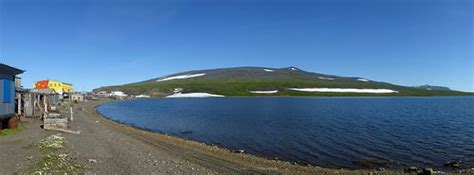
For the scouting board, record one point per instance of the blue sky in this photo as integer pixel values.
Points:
(105, 42)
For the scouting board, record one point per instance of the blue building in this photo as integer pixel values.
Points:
(7, 92)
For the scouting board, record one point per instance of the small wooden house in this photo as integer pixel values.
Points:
(7, 92)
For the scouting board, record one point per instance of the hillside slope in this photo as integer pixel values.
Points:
(260, 81)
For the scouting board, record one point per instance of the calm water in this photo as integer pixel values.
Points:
(328, 132)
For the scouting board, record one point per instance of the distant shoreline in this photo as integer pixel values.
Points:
(282, 96)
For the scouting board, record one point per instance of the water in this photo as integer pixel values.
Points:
(328, 132)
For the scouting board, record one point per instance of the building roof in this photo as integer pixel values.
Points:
(10, 70)
(42, 91)
(53, 81)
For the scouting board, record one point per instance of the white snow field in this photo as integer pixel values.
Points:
(142, 96)
(193, 95)
(364, 80)
(268, 70)
(179, 77)
(375, 91)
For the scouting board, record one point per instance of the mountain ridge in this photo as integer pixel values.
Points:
(288, 81)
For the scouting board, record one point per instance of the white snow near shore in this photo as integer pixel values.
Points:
(181, 77)
(193, 95)
(268, 70)
(264, 92)
(364, 80)
(118, 94)
(324, 78)
(142, 96)
(374, 91)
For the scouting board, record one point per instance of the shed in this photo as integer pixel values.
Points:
(77, 97)
(7, 90)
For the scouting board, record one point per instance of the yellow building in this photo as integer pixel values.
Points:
(56, 86)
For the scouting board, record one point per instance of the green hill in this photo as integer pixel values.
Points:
(242, 81)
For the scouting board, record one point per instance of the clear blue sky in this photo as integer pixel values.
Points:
(108, 42)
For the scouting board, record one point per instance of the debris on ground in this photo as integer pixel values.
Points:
(53, 142)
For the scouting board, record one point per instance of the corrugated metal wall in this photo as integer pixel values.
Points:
(7, 109)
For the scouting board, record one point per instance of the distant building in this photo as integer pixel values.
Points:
(57, 86)
(18, 82)
(77, 97)
(7, 90)
(102, 94)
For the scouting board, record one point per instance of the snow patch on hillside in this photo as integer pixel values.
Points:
(142, 96)
(293, 69)
(193, 95)
(352, 90)
(362, 79)
(324, 78)
(181, 77)
(268, 70)
(264, 92)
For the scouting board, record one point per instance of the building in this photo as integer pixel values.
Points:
(37, 101)
(18, 82)
(7, 92)
(77, 97)
(56, 86)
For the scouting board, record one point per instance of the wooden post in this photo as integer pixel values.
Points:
(72, 116)
(45, 104)
(19, 104)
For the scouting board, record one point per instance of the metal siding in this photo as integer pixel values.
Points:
(7, 91)
(1, 90)
(3, 106)
(7, 109)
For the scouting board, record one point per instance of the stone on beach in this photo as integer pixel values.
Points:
(453, 164)
(427, 171)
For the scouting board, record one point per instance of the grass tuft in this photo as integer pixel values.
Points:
(54, 164)
(50, 143)
(5, 132)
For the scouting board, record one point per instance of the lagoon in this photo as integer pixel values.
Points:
(333, 132)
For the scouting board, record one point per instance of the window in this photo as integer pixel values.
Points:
(7, 91)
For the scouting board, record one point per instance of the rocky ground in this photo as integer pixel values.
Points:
(106, 147)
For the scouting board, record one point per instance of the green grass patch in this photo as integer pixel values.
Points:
(56, 164)
(241, 87)
(50, 143)
(5, 132)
